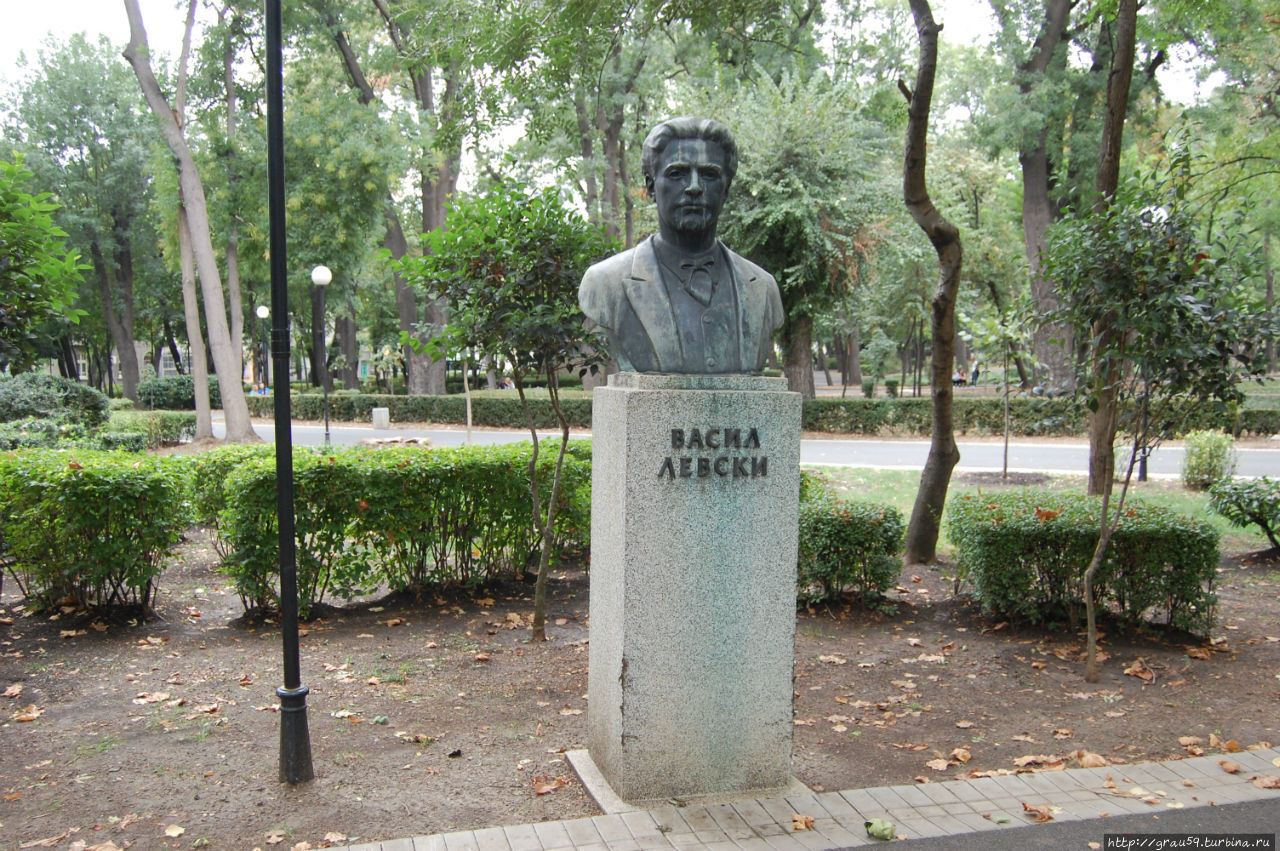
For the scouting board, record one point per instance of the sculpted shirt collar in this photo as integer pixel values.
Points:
(680, 264)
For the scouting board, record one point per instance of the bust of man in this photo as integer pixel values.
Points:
(681, 302)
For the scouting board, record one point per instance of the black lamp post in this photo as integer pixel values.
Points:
(321, 276)
(295, 739)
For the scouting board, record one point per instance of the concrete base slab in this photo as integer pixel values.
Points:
(607, 799)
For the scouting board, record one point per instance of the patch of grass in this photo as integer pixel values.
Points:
(101, 746)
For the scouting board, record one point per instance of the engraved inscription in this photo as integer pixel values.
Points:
(708, 466)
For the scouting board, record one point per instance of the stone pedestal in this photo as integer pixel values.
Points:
(695, 483)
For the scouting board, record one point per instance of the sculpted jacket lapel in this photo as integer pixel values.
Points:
(648, 297)
(751, 307)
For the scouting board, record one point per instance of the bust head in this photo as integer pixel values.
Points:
(688, 164)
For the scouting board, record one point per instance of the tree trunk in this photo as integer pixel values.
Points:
(1106, 369)
(191, 313)
(1039, 209)
(797, 366)
(234, 299)
(68, 367)
(226, 360)
(349, 345)
(586, 146)
(926, 515)
(319, 348)
(121, 336)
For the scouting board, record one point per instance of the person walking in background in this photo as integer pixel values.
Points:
(973, 379)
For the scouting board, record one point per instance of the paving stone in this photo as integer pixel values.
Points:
(959, 808)
(839, 808)
(700, 820)
(755, 843)
(784, 842)
(733, 825)
(778, 809)
(582, 831)
(939, 793)
(888, 798)
(975, 790)
(931, 810)
(612, 829)
(523, 838)
(427, 843)
(463, 840)
(913, 795)
(641, 824)
(861, 801)
(400, 845)
(758, 818)
(552, 834)
(492, 839)
(919, 828)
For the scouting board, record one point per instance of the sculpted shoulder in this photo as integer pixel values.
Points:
(602, 287)
(751, 270)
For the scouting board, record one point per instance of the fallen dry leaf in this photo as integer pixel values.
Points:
(28, 713)
(1188, 741)
(801, 822)
(544, 785)
(1267, 782)
(1229, 766)
(275, 837)
(333, 836)
(964, 725)
(569, 710)
(13, 690)
(1039, 813)
(961, 755)
(833, 660)
(173, 831)
(938, 764)
(1140, 670)
(1089, 759)
(47, 842)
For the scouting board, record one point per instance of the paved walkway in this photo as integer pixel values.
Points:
(956, 807)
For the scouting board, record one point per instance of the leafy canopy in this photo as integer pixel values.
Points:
(38, 274)
(509, 265)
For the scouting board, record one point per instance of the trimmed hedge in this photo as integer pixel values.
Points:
(51, 397)
(91, 526)
(406, 517)
(1030, 416)
(1026, 552)
(158, 428)
(175, 393)
(845, 547)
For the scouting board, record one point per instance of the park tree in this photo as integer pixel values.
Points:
(38, 272)
(1183, 330)
(227, 361)
(510, 264)
(926, 515)
(87, 136)
(807, 200)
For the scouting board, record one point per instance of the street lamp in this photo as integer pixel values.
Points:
(321, 276)
(265, 379)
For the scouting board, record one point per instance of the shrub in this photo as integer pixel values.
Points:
(175, 393)
(1249, 501)
(30, 433)
(160, 428)
(1209, 456)
(868, 387)
(327, 493)
(891, 387)
(124, 441)
(1026, 552)
(51, 397)
(845, 547)
(94, 527)
(406, 517)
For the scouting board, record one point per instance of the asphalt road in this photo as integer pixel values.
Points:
(1025, 455)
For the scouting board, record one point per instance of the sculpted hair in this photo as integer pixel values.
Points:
(688, 127)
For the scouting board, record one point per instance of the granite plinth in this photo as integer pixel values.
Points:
(695, 483)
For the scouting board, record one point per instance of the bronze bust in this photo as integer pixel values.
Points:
(681, 302)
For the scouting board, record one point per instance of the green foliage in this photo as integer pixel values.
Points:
(91, 526)
(31, 433)
(210, 471)
(1249, 501)
(51, 397)
(175, 392)
(1169, 324)
(869, 388)
(38, 273)
(1026, 552)
(891, 387)
(845, 547)
(123, 441)
(409, 518)
(1209, 456)
(159, 428)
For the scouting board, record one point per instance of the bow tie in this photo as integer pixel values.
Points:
(697, 278)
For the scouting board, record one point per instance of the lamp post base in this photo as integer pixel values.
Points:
(295, 738)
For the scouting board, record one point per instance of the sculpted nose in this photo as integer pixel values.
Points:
(695, 184)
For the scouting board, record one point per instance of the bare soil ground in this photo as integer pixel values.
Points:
(435, 715)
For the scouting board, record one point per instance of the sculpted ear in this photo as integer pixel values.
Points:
(648, 187)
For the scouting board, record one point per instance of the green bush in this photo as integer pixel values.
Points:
(1026, 551)
(1209, 456)
(90, 526)
(891, 387)
(175, 393)
(161, 428)
(405, 517)
(51, 397)
(868, 387)
(32, 433)
(1249, 501)
(120, 404)
(845, 547)
(124, 441)
(499, 408)
(327, 493)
